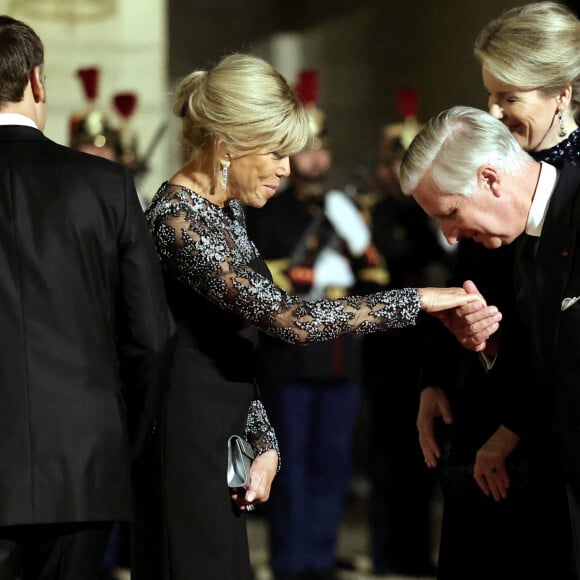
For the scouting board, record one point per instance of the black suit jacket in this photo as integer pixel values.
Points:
(552, 276)
(83, 321)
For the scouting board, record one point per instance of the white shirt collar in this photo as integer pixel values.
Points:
(544, 190)
(17, 119)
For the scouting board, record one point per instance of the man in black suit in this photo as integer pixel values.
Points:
(85, 334)
(465, 169)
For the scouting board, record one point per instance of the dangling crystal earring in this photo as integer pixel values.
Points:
(562, 132)
(224, 177)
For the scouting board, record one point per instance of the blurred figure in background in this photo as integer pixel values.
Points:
(313, 239)
(402, 489)
(91, 129)
(95, 130)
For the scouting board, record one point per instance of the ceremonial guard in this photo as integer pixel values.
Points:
(402, 489)
(100, 132)
(314, 240)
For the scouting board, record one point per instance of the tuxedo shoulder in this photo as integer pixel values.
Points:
(71, 170)
(87, 159)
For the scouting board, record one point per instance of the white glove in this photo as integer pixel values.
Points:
(347, 221)
(331, 268)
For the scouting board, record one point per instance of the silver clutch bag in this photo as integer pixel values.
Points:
(240, 457)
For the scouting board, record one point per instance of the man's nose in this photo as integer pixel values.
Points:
(450, 234)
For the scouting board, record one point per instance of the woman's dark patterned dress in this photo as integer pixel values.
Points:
(220, 292)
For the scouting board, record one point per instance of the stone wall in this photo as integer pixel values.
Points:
(129, 46)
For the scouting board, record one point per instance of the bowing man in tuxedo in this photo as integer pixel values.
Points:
(85, 333)
(465, 169)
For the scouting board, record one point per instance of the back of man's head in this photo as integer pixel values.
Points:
(21, 50)
(454, 144)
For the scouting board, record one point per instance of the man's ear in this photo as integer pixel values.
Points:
(37, 85)
(489, 177)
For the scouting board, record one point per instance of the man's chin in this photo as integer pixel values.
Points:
(491, 243)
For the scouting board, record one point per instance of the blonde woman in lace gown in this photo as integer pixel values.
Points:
(240, 123)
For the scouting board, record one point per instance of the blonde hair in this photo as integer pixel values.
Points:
(536, 46)
(244, 104)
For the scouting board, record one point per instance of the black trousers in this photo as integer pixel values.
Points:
(71, 551)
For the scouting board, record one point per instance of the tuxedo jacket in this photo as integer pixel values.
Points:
(84, 331)
(545, 280)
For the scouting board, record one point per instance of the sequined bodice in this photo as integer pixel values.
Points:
(567, 150)
(206, 248)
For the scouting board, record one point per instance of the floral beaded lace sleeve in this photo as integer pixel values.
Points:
(207, 248)
(259, 430)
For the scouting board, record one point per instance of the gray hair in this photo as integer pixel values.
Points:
(536, 46)
(453, 145)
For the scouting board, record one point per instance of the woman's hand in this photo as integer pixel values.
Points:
(433, 404)
(262, 473)
(490, 471)
(438, 299)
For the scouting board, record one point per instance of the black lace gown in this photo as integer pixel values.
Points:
(220, 293)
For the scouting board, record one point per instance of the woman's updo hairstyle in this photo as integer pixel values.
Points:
(245, 104)
(536, 46)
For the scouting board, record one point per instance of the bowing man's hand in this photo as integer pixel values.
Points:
(433, 403)
(490, 471)
(262, 473)
(474, 323)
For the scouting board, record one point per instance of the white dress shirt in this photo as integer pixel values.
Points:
(17, 119)
(544, 190)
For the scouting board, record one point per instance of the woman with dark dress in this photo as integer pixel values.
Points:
(530, 59)
(240, 122)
